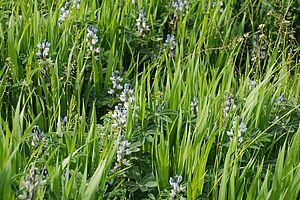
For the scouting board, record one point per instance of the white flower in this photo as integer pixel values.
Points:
(242, 128)
(194, 105)
(180, 7)
(43, 49)
(92, 39)
(116, 80)
(122, 151)
(119, 116)
(30, 184)
(43, 53)
(64, 12)
(127, 95)
(177, 188)
(171, 44)
(141, 23)
(229, 103)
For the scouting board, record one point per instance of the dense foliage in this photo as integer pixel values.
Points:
(149, 99)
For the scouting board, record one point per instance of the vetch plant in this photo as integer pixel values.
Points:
(43, 53)
(177, 188)
(181, 7)
(229, 104)
(141, 24)
(127, 95)
(122, 151)
(86, 152)
(38, 138)
(31, 184)
(64, 12)
(119, 117)
(116, 80)
(241, 129)
(66, 9)
(92, 39)
(170, 45)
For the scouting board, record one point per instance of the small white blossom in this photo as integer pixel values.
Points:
(170, 44)
(194, 105)
(229, 104)
(43, 53)
(141, 24)
(43, 49)
(38, 138)
(119, 116)
(122, 151)
(116, 80)
(77, 4)
(127, 95)
(181, 7)
(65, 10)
(31, 184)
(241, 129)
(92, 39)
(177, 187)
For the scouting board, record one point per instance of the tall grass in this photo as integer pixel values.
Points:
(217, 106)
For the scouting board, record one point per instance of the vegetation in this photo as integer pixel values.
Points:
(149, 99)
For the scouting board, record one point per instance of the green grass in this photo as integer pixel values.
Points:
(219, 48)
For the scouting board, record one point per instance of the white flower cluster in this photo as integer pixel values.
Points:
(170, 44)
(65, 10)
(38, 137)
(127, 98)
(229, 103)
(43, 53)
(116, 80)
(180, 6)
(141, 24)
(177, 188)
(119, 116)
(123, 150)
(30, 184)
(241, 129)
(194, 105)
(127, 95)
(92, 39)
